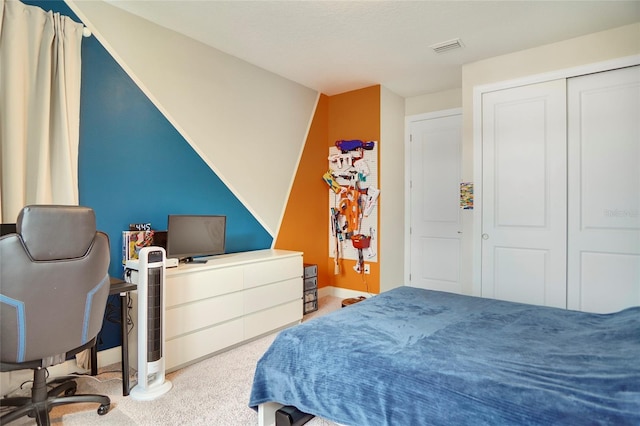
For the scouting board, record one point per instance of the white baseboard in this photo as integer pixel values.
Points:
(12, 380)
(109, 356)
(343, 293)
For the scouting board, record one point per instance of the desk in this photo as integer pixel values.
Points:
(122, 288)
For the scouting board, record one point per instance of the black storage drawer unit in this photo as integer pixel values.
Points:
(310, 300)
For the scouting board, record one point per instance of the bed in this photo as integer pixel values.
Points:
(418, 357)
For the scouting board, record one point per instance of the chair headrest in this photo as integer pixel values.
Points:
(53, 232)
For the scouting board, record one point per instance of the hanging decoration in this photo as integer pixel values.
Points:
(466, 195)
(352, 179)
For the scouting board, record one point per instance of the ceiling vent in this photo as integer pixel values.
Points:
(445, 46)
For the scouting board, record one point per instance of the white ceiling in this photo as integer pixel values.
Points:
(337, 46)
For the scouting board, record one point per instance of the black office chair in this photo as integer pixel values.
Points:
(54, 285)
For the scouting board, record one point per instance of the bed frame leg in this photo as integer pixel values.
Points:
(267, 413)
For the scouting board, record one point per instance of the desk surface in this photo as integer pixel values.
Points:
(119, 286)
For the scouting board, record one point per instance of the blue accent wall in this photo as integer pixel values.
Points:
(135, 167)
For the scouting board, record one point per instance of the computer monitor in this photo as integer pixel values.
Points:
(192, 236)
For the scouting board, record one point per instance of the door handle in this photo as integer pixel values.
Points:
(485, 236)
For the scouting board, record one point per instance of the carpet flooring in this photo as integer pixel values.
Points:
(212, 392)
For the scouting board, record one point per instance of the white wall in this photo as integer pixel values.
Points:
(392, 187)
(432, 102)
(248, 124)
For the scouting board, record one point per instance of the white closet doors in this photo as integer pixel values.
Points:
(524, 194)
(561, 192)
(604, 191)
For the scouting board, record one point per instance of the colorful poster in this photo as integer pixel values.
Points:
(466, 195)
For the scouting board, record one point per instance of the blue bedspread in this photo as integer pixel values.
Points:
(417, 357)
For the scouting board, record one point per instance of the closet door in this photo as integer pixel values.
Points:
(604, 191)
(524, 194)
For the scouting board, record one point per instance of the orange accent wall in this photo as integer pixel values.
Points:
(305, 225)
(356, 115)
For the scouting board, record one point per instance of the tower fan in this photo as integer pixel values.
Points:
(150, 267)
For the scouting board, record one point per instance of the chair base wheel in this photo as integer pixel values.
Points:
(103, 409)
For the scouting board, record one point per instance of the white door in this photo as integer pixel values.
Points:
(524, 194)
(604, 191)
(435, 214)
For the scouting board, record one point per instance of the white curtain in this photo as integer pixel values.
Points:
(39, 107)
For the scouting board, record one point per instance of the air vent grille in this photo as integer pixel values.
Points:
(446, 46)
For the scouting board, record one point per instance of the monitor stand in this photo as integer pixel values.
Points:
(195, 260)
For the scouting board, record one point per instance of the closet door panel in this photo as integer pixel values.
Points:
(528, 265)
(607, 280)
(524, 194)
(520, 164)
(604, 191)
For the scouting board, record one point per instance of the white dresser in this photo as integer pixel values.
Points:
(231, 299)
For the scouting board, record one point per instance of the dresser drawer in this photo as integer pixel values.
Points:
(263, 297)
(205, 313)
(273, 271)
(191, 347)
(191, 286)
(271, 319)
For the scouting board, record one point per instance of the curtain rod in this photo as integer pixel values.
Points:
(86, 32)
